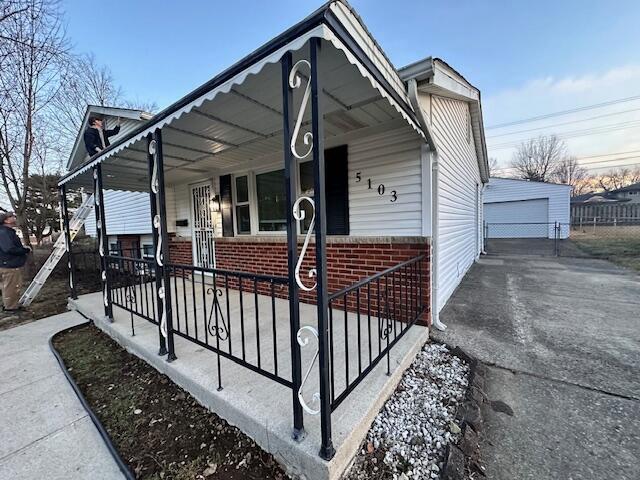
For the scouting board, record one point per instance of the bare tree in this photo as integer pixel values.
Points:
(569, 171)
(618, 178)
(83, 82)
(493, 166)
(537, 158)
(29, 80)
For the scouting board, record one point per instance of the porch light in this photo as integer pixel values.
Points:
(214, 203)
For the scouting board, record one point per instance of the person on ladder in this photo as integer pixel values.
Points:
(13, 256)
(96, 138)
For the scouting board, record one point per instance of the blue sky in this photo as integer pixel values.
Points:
(527, 58)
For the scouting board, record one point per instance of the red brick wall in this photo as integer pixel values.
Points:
(180, 250)
(348, 262)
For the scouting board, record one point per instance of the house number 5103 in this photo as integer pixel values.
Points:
(381, 187)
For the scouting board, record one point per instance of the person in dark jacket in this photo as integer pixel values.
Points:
(96, 138)
(13, 256)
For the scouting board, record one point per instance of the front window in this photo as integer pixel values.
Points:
(271, 200)
(243, 213)
(147, 251)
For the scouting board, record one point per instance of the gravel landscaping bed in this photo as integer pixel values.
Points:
(410, 435)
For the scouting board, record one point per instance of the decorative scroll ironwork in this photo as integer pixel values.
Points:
(299, 214)
(294, 82)
(387, 327)
(130, 295)
(163, 319)
(154, 174)
(157, 223)
(213, 323)
(303, 342)
(104, 288)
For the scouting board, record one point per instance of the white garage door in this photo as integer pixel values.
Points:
(518, 219)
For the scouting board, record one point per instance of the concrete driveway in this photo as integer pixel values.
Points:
(563, 338)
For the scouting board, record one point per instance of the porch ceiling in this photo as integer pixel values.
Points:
(236, 117)
(237, 128)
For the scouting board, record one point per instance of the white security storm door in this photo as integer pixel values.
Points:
(517, 219)
(202, 229)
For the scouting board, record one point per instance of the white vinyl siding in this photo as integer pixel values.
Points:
(127, 213)
(393, 160)
(459, 212)
(512, 190)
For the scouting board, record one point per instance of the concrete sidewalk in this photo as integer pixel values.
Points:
(45, 431)
(563, 340)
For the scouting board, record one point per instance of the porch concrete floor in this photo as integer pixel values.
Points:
(257, 405)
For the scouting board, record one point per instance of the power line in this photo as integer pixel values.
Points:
(564, 123)
(614, 166)
(585, 164)
(574, 134)
(563, 112)
(607, 154)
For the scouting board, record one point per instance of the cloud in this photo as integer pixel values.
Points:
(584, 134)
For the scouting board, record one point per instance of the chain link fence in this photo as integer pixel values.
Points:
(615, 239)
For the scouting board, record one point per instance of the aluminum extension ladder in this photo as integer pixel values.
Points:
(59, 249)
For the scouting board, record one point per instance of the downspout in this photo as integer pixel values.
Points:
(484, 185)
(412, 91)
(435, 312)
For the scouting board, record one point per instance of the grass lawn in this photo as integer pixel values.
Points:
(621, 249)
(160, 431)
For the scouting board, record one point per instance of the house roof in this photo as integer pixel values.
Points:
(336, 23)
(629, 188)
(436, 76)
(78, 153)
(529, 181)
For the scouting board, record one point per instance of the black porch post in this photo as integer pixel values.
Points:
(103, 240)
(317, 127)
(163, 276)
(292, 245)
(153, 203)
(64, 213)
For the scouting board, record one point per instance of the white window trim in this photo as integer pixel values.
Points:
(251, 202)
(253, 199)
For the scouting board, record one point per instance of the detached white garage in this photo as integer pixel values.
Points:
(524, 209)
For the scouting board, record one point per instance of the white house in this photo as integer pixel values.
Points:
(310, 188)
(516, 208)
(450, 214)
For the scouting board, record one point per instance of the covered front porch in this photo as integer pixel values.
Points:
(300, 342)
(244, 373)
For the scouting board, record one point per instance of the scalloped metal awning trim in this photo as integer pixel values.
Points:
(337, 24)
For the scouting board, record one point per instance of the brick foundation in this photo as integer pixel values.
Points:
(349, 259)
(180, 250)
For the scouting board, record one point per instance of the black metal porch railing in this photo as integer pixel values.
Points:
(238, 316)
(132, 286)
(234, 315)
(382, 308)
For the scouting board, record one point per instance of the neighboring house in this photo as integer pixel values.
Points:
(614, 207)
(516, 208)
(128, 218)
(591, 197)
(630, 193)
(404, 170)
